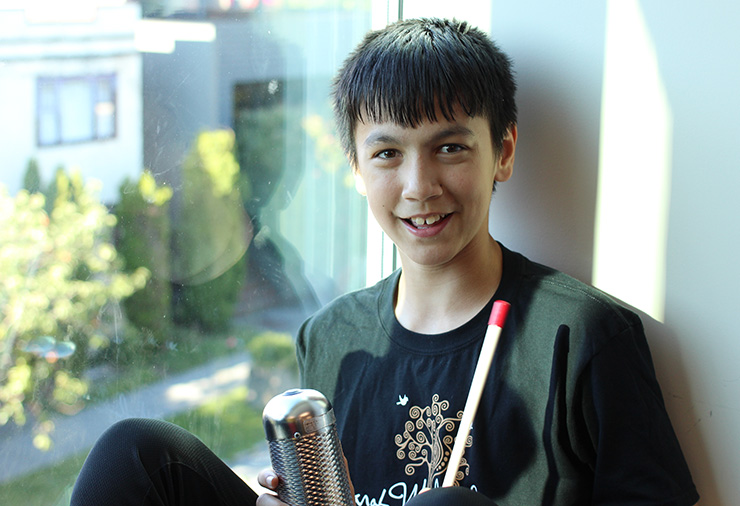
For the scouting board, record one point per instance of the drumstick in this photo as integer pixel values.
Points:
(493, 332)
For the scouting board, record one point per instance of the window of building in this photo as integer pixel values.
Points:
(177, 295)
(76, 109)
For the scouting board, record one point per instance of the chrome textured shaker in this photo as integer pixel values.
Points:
(305, 451)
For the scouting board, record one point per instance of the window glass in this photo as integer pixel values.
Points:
(164, 272)
(75, 103)
(105, 109)
(75, 109)
(47, 117)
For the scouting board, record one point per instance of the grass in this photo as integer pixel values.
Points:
(48, 487)
(227, 424)
(127, 369)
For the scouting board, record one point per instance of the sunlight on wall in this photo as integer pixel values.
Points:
(160, 36)
(634, 165)
(477, 13)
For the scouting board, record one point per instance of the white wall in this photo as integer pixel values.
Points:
(549, 209)
(626, 177)
(102, 44)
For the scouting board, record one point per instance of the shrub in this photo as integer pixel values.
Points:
(274, 367)
(211, 232)
(32, 177)
(210, 305)
(273, 350)
(143, 240)
(59, 277)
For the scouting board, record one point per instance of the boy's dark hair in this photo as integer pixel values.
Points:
(411, 69)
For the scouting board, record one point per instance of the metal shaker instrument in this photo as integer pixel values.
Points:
(305, 452)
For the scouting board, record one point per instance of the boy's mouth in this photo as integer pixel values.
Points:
(419, 222)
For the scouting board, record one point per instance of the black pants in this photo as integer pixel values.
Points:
(150, 462)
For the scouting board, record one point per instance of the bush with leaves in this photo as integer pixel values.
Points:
(59, 282)
(32, 177)
(211, 232)
(143, 240)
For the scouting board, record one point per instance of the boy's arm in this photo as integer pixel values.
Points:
(637, 455)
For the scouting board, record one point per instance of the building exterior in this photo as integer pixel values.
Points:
(70, 91)
(264, 73)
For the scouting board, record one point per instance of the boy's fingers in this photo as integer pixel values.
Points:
(268, 479)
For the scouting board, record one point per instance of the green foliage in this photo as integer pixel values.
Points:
(227, 424)
(273, 350)
(32, 177)
(143, 240)
(50, 486)
(58, 189)
(59, 277)
(329, 154)
(267, 175)
(210, 305)
(211, 232)
(261, 142)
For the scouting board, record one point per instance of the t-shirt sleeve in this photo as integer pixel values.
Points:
(637, 457)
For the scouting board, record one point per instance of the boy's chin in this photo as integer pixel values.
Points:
(427, 259)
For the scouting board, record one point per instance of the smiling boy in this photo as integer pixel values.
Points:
(571, 413)
(429, 188)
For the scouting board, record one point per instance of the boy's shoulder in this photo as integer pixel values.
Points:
(548, 292)
(355, 309)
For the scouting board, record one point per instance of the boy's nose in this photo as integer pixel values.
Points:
(421, 181)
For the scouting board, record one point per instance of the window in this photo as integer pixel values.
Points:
(76, 109)
(226, 215)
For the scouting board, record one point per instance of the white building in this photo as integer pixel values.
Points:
(70, 90)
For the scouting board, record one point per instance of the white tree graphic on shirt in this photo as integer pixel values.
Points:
(428, 438)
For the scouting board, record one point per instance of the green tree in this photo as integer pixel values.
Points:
(143, 240)
(59, 274)
(32, 177)
(211, 232)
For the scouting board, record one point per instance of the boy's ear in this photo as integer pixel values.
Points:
(505, 162)
(359, 182)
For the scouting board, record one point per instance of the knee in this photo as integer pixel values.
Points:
(131, 438)
(131, 431)
(120, 458)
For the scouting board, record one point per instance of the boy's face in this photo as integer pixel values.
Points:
(430, 187)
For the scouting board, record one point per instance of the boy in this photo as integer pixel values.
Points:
(571, 412)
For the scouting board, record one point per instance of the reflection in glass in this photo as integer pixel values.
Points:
(188, 206)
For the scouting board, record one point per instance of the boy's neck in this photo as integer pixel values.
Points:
(433, 301)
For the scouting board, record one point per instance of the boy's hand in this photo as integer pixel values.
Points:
(268, 479)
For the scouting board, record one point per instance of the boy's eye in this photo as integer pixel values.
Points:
(451, 148)
(386, 154)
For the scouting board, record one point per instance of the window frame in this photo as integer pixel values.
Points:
(55, 114)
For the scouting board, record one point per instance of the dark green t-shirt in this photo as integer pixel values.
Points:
(571, 414)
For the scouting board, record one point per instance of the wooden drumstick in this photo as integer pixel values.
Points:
(490, 341)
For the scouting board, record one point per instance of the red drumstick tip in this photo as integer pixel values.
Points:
(498, 313)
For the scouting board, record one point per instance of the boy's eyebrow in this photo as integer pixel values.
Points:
(453, 130)
(379, 138)
(384, 138)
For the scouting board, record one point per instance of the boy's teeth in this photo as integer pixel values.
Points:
(426, 221)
